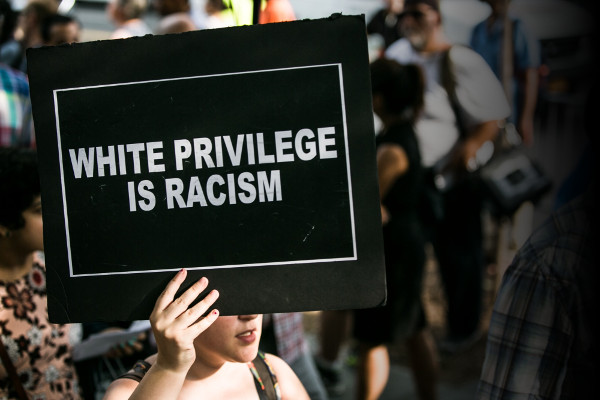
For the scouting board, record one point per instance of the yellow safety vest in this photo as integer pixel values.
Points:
(241, 10)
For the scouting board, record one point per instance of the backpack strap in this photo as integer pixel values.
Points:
(264, 378)
(138, 371)
(449, 84)
(12, 373)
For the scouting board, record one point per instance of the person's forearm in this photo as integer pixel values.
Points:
(483, 132)
(530, 93)
(467, 149)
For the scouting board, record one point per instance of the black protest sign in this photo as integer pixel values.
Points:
(245, 155)
(226, 168)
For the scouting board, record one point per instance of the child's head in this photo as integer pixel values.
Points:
(397, 89)
(230, 338)
(19, 185)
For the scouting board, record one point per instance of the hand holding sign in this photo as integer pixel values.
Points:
(176, 326)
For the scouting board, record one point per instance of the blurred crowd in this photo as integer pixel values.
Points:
(438, 106)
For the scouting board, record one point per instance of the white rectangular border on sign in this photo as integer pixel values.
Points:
(350, 193)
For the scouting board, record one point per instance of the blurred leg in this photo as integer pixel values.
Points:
(459, 250)
(373, 371)
(334, 331)
(305, 369)
(335, 326)
(424, 363)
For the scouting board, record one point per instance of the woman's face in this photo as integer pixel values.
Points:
(30, 237)
(230, 338)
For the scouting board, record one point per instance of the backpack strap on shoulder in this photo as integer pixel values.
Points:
(138, 371)
(448, 82)
(264, 378)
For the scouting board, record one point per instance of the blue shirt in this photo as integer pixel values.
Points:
(526, 51)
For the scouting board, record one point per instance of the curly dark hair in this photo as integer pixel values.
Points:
(8, 21)
(402, 87)
(19, 184)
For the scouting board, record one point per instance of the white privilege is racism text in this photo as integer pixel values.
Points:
(204, 152)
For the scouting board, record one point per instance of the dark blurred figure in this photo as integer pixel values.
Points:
(543, 335)
(386, 22)
(578, 180)
(283, 335)
(514, 56)
(28, 33)
(8, 21)
(397, 101)
(60, 29)
(464, 103)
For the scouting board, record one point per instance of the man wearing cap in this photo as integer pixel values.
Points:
(463, 103)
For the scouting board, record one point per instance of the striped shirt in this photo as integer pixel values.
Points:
(16, 122)
(289, 335)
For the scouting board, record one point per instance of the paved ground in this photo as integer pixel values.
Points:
(459, 374)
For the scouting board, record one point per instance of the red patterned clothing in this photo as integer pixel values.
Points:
(39, 350)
